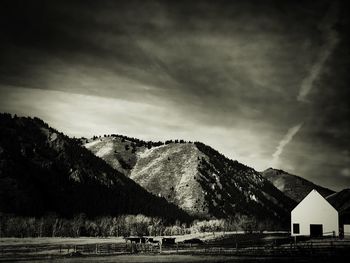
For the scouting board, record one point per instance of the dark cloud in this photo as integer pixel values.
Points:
(240, 67)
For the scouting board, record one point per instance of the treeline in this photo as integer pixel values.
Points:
(125, 225)
(220, 160)
(135, 142)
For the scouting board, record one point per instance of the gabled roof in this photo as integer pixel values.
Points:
(314, 192)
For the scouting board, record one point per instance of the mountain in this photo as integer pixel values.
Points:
(42, 170)
(293, 186)
(341, 201)
(195, 177)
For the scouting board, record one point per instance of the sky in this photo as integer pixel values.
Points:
(263, 82)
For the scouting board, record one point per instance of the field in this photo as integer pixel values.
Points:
(217, 247)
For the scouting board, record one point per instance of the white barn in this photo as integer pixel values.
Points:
(314, 216)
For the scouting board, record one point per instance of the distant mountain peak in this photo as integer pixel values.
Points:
(275, 171)
(341, 200)
(293, 186)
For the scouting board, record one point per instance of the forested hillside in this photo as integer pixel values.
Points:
(42, 170)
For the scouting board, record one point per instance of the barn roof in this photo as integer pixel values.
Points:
(317, 194)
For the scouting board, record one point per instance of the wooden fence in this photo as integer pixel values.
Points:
(314, 247)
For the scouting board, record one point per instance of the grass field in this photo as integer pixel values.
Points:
(59, 240)
(98, 240)
(218, 247)
(218, 237)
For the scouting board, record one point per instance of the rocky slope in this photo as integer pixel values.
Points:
(42, 170)
(195, 177)
(293, 186)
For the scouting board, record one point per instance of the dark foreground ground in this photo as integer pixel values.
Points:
(191, 258)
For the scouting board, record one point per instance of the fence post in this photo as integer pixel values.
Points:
(160, 247)
(177, 247)
(312, 251)
(96, 249)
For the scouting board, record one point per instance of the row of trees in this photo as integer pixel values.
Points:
(125, 225)
(137, 142)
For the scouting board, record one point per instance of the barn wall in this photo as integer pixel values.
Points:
(346, 230)
(314, 209)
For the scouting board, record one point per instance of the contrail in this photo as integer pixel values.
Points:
(331, 41)
(286, 139)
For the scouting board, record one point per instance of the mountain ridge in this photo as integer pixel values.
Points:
(295, 187)
(340, 200)
(212, 184)
(191, 176)
(43, 170)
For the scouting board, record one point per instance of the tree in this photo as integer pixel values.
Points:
(78, 224)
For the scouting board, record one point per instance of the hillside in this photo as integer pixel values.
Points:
(293, 186)
(340, 200)
(42, 170)
(195, 177)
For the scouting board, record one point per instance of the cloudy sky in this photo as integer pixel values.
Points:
(263, 82)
